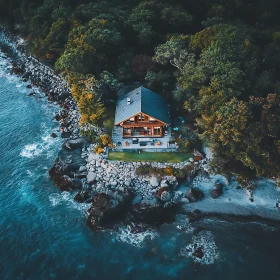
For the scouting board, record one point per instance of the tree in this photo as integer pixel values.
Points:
(85, 92)
(90, 46)
(174, 51)
(232, 120)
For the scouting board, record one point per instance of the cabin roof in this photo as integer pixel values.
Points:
(142, 100)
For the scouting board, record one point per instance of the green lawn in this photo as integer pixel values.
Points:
(153, 156)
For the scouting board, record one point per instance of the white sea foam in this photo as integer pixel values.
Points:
(36, 149)
(205, 241)
(67, 199)
(31, 150)
(183, 224)
(135, 239)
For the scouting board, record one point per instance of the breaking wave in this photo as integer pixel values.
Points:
(204, 240)
(135, 239)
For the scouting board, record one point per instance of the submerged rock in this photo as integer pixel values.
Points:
(82, 196)
(138, 227)
(198, 253)
(195, 194)
(137, 199)
(218, 191)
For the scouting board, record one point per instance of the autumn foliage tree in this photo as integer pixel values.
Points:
(85, 92)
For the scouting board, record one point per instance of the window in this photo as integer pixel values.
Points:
(156, 130)
(141, 117)
(126, 131)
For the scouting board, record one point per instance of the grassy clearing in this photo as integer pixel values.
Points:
(146, 156)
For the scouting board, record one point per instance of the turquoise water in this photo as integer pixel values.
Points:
(43, 233)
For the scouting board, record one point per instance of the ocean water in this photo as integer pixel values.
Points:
(43, 233)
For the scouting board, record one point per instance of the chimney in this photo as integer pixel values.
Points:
(128, 101)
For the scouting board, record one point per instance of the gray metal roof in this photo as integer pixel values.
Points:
(142, 101)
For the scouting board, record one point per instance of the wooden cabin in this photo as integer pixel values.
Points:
(142, 113)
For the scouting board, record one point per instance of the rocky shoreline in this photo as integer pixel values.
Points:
(113, 188)
(114, 191)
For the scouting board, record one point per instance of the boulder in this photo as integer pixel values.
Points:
(114, 183)
(198, 253)
(178, 194)
(27, 75)
(218, 191)
(65, 134)
(137, 199)
(64, 182)
(154, 181)
(82, 168)
(75, 143)
(67, 163)
(137, 227)
(195, 194)
(91, 176)
(77, 184)
(165, 196)
(57, 117)
(53, 135)
(183, 200)
(164, 183)
(82, 196)
(127, 183)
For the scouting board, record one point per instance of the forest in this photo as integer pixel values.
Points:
(217, 62)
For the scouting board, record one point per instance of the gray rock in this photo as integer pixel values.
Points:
(164, 183)
(195, 194)
(218, 191)
(91, 176)
(92, 156)
(114, 183)
(127, 182)
(183, 200)
(165, 196)
(154, 181)
(82, 168)
(75, 143)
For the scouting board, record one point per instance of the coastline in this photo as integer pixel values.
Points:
(71, 176)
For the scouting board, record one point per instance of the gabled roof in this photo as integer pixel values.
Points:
(142, 101)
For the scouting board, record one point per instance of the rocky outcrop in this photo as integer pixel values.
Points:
(105, 211)
(153, 213)
(67, 165)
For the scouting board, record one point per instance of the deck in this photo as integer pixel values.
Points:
(151, 143)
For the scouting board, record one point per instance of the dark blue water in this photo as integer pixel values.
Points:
(43, 233)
